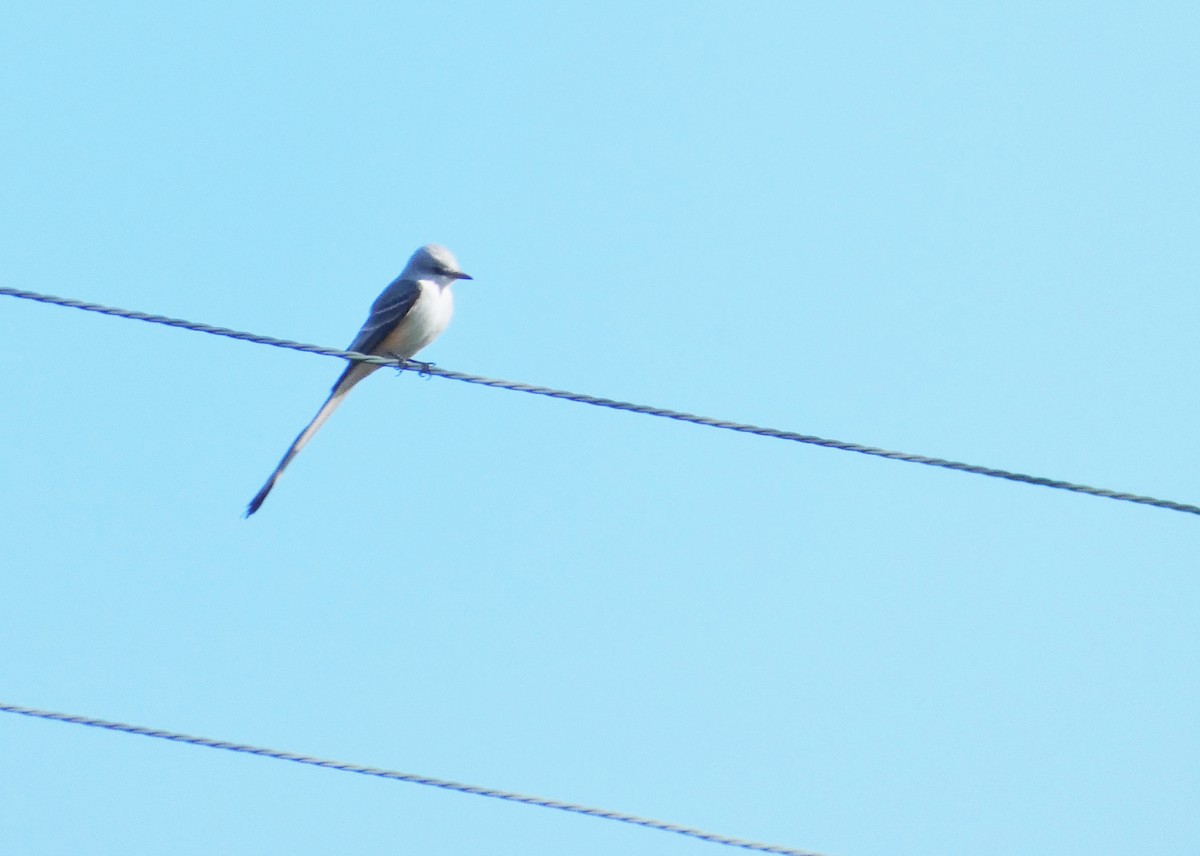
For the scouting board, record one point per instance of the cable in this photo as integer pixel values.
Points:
(405, 777)
(428, 369)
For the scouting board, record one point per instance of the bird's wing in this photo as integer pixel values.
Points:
(387, 311)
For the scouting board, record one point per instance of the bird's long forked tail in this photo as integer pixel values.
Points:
(345, 383)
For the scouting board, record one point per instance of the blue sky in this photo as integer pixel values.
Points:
(964, 230)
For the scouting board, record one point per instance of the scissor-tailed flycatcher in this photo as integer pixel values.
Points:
(410, 314)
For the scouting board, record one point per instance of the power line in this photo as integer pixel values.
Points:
(581, 398)
(405, 777)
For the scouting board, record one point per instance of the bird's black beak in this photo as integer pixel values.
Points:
(461, 275)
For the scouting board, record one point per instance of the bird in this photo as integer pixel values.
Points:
(410, 313)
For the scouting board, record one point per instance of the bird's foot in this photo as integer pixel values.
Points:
(407, 364)
(423, 369)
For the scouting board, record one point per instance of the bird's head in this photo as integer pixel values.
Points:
(435, 262)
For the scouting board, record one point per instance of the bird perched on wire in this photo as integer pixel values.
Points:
(407, 316)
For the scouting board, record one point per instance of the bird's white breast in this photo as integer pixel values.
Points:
(424, 322)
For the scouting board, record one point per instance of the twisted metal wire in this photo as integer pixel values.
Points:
(279, 755)
(745, 428)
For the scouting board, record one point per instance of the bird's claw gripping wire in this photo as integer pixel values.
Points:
(424, 370)
(407, 364)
